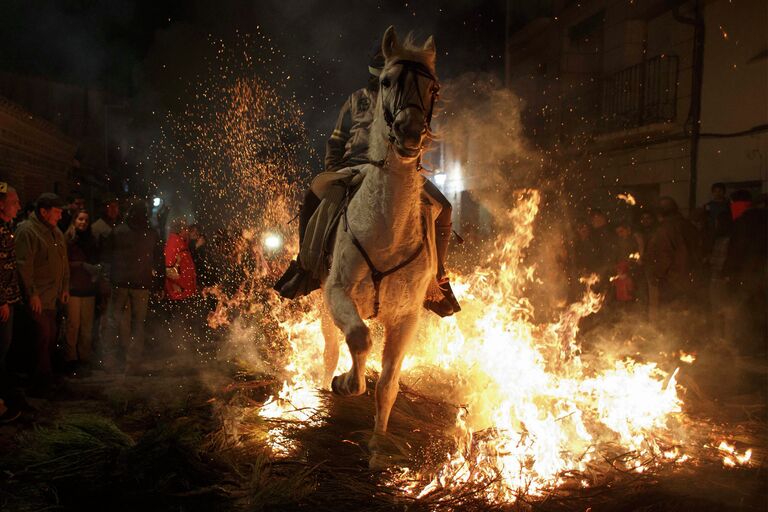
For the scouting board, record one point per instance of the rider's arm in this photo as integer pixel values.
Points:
(336, 145)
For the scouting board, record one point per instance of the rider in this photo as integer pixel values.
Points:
(348, 147)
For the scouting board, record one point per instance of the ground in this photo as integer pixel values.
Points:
(186, 435)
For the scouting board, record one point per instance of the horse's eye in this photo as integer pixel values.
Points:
(385, 82)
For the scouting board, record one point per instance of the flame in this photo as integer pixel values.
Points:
(731, 456)
(627, 198)
(687, 358)
(533, 410)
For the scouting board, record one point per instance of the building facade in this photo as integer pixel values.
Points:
(95, 121)
(35, 156)
(649, 97)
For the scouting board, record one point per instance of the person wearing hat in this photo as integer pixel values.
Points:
(348, 147)
(41, 257)
(101, 230)
(348, 144)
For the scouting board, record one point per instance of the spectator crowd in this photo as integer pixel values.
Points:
(76, 289)
(76, 293)
(667, 268)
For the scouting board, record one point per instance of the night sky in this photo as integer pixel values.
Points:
(150, 52)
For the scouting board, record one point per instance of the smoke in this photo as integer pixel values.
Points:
(480, 122)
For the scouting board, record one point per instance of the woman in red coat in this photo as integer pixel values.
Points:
(180, 289)
(180, 276)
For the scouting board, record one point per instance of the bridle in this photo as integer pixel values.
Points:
(406, 82)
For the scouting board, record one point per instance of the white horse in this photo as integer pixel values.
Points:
(383, 256)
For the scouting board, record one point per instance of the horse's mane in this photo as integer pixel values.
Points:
(409, 49)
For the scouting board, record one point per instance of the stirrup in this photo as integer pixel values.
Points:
(446, 306)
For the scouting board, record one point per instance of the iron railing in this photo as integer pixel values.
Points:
(641, 94)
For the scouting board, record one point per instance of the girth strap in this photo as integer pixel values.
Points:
(377, 275)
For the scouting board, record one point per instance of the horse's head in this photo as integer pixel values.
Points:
(408, 90)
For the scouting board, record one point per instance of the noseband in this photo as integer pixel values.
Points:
(406, 82)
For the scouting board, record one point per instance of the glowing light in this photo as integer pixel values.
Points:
(440, 179)
(627, 198)
(156, 202)
(456, 179)
(687, 358)
(273, 241)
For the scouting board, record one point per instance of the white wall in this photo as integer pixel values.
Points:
(735, 93)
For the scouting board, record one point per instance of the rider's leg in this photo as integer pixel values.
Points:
(294, 282)
(443, 227)
(308, 207)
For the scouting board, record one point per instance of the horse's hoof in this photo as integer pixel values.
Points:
(376, 443)
(342, 385)
(336, 385)
(379, 462)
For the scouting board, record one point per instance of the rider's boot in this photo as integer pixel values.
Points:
(296, 281)
(447, 305)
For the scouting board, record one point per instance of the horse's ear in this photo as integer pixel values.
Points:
(389, 44)
(429, 45)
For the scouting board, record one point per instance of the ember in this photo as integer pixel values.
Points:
(535, 410)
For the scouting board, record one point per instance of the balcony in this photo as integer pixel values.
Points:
(640, 95)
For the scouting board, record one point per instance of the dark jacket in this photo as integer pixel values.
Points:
(136, 254)
(83, 251)
(673, 257)
(10, 292)
(747, 261)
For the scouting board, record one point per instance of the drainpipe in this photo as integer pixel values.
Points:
(693, 123)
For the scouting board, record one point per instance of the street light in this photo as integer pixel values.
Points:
(272, 241)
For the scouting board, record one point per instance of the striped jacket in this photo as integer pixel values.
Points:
(348, 144)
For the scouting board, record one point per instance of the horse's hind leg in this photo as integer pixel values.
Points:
(397, 339)
(358, 338)
(331, 350)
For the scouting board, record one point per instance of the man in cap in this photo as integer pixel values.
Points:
(348, 144)
(41, 257)
(348, 147)
(101, 231)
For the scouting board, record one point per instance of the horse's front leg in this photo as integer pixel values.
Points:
(358, 337)
(398, 337)
(331, 350)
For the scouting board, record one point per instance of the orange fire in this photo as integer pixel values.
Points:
(534, 407)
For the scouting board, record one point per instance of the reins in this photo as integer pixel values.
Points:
(414, 70)
(378, 275)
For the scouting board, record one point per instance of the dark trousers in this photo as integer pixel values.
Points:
(6, 334)
(46, 330)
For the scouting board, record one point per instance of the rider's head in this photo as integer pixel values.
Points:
(375, 65)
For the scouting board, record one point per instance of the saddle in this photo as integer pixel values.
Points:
(335, 190)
